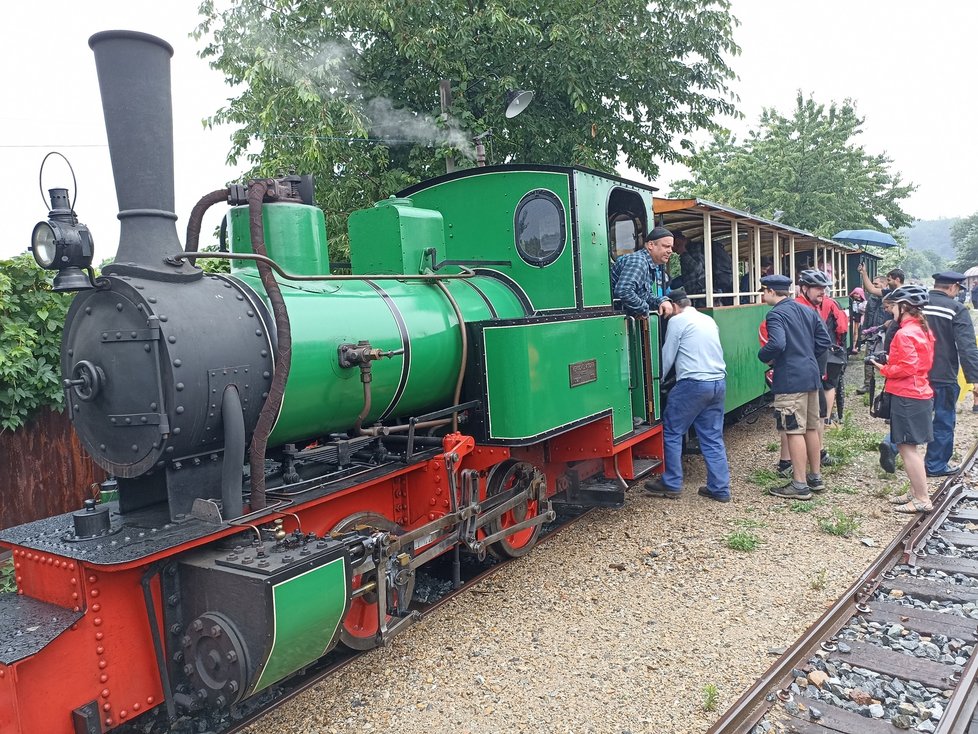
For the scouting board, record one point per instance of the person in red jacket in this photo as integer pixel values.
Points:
(910, 359)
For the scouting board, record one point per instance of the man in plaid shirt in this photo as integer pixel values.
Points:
(640, 281)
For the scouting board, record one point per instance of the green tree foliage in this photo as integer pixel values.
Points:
(964, 234)
(807, 166)
(31, 321)
(348, 89)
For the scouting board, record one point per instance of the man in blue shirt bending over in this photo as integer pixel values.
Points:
(639, 279)
(693, 346)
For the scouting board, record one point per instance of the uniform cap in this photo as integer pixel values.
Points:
(949, 276)
(776, 282)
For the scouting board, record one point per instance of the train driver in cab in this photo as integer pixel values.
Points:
(640, 279)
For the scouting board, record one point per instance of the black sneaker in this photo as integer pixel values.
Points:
(704, 492)
(784, 469)
(887, 457)
(862, 390)
(791, 492)
(826, 459)
(655, 488)
(815, 483)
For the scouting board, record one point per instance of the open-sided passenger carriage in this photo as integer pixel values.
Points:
(750, 242)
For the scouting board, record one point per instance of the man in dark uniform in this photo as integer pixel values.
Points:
(797, 345)
(639, 279)
(954, 343)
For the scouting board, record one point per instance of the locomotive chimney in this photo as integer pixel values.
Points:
(134, 80)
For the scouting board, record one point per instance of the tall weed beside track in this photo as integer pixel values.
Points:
(7, 582)
(846, 441)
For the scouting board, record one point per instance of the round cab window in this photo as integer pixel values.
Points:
(539, 227)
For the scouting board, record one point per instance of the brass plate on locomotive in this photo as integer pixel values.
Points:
(584, 372)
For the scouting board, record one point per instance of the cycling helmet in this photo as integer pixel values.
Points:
(814, 277)
(912, 295)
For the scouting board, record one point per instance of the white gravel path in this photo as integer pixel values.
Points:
(563, 641)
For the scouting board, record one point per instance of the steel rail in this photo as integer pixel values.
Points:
(754, 703)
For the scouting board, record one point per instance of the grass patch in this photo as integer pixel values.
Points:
(845, 441)
(746, 523)
(843, 489)
(840, 524)
(804, 505)
(710, 697)
(743, 540)
(765, 478)
(773, 446)
(821, 580)
(888, 490)
(7, 581)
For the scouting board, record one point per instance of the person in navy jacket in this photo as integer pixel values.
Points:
(796, 348)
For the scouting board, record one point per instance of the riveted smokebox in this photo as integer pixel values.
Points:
(134, 81)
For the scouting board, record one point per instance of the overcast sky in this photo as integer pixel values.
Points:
(909, 66)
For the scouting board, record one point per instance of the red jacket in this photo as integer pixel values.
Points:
(910, 359)
(828, 308)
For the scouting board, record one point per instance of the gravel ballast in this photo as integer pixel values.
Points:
(619, 623)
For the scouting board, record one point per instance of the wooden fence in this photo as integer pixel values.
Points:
(43, 470)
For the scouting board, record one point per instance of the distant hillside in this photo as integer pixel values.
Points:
(931, 234)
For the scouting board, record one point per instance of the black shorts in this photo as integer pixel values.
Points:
(912, 420)
(823, 407)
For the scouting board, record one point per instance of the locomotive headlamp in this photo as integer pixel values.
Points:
(63, 244)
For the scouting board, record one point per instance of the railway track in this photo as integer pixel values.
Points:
(439, 592)
(896, 651)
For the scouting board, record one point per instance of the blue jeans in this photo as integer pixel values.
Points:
(699, 404)
(940, 449)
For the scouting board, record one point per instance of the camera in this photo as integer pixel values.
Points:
(879, 358)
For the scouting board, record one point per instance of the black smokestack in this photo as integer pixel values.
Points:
(134, 80)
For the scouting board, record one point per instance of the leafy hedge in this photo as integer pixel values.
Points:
(31, 321)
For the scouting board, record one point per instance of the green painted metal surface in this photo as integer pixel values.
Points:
(391, 237)
(295, 236)
(325, 315)
(479, 216)
(592, 193)
(308, 610)
(655, 341)
(531, 370)
(739, 337)
(636, 370)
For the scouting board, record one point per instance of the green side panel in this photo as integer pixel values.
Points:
(529, 368)
(308, 610)
(656, 343)
(479, 213)
(739, 338)
(636, 371)
(391, 238)
(295, 238)
(323, 315)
